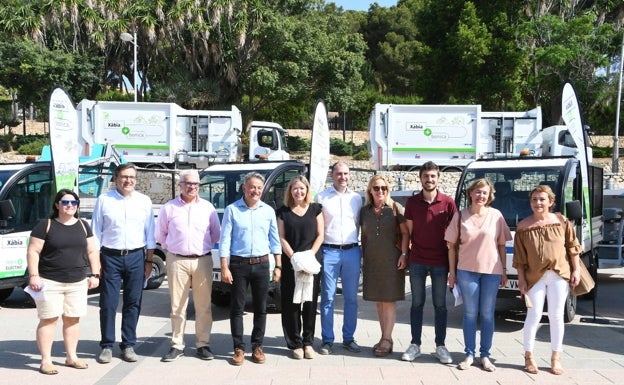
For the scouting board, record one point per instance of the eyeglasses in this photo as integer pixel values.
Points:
(382, 188)
(191, 184)
(67, 203)
(127, 177)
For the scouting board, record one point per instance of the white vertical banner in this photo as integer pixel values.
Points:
(319, 151)
(64, 140)
(571, 113)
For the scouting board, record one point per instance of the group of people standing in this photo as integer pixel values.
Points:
(315, 245)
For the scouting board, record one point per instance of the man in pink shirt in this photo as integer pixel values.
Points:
(188, 227)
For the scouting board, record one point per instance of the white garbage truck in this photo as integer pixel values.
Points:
(403, 137)
(577, 184)
(165, 135)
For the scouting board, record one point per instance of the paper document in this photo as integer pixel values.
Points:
(527, 301)
(36, 295)
(457, 295)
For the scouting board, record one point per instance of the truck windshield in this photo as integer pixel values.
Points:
(5, 175)
(222, 188)
(512, 187)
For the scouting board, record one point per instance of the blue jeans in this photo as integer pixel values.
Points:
(127, 273)
(346, 265)
(478, 292)
(257, 276)
(418, 276)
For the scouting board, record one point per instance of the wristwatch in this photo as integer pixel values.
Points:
(94, 276)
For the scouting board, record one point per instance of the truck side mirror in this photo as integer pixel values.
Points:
(574, 211)
(268, 138)
(6, 209)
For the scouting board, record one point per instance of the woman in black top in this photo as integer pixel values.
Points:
(60, 252)
(301, 228)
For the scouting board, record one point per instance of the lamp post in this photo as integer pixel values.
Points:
(615, 167)
(133, 39)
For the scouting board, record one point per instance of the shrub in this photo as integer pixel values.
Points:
(602, 152)
(340, 147)
(33, 147)
(362, 152)
(297, 144)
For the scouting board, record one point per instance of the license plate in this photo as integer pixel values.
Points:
(512, 284)
(216, 276)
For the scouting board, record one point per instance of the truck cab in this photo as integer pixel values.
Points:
(26, 195)
(513, 179)
(222, 185)
(267, 141)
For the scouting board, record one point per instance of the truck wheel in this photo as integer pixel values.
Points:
(220, 298)
(275, 292)
(452, 169)
(594, 273)
(158, 273)
(157, 166)
(569, 312)
(5, 293)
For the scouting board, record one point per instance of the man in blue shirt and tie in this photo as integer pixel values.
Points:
(248, 235)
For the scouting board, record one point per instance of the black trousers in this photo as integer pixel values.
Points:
(256, 276)
(298, 320)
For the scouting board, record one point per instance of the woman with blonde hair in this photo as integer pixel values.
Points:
(381, 220)
(546, 255)
(301, 230)
(479, 268)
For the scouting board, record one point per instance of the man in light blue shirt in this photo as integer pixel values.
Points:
(123, 223)
(248, 235)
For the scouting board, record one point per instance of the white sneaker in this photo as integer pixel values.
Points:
(411, 353)
(443, 355)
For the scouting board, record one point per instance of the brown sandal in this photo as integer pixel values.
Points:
(555, 364)
(383, 348)
(529, 363)
(77, 364)
(48, 369)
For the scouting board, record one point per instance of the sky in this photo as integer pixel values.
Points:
(361, 5)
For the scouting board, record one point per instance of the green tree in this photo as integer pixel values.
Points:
(395, 47)
(304, 57)
(571, 47)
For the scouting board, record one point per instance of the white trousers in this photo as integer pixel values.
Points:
(554, 288)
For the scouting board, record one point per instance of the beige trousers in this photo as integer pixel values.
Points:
(184, 274)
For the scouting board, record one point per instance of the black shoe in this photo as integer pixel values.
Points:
(205, 353)
(172, 355)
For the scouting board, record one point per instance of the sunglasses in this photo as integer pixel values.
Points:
(67, 203)
(382, 188)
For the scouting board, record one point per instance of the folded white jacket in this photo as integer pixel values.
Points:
(305, 265)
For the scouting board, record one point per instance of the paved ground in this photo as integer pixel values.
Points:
(594, 353)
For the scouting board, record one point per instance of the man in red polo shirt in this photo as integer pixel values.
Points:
(428, 213)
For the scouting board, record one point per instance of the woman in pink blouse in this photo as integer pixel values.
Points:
(546, 255)
(479, 269)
